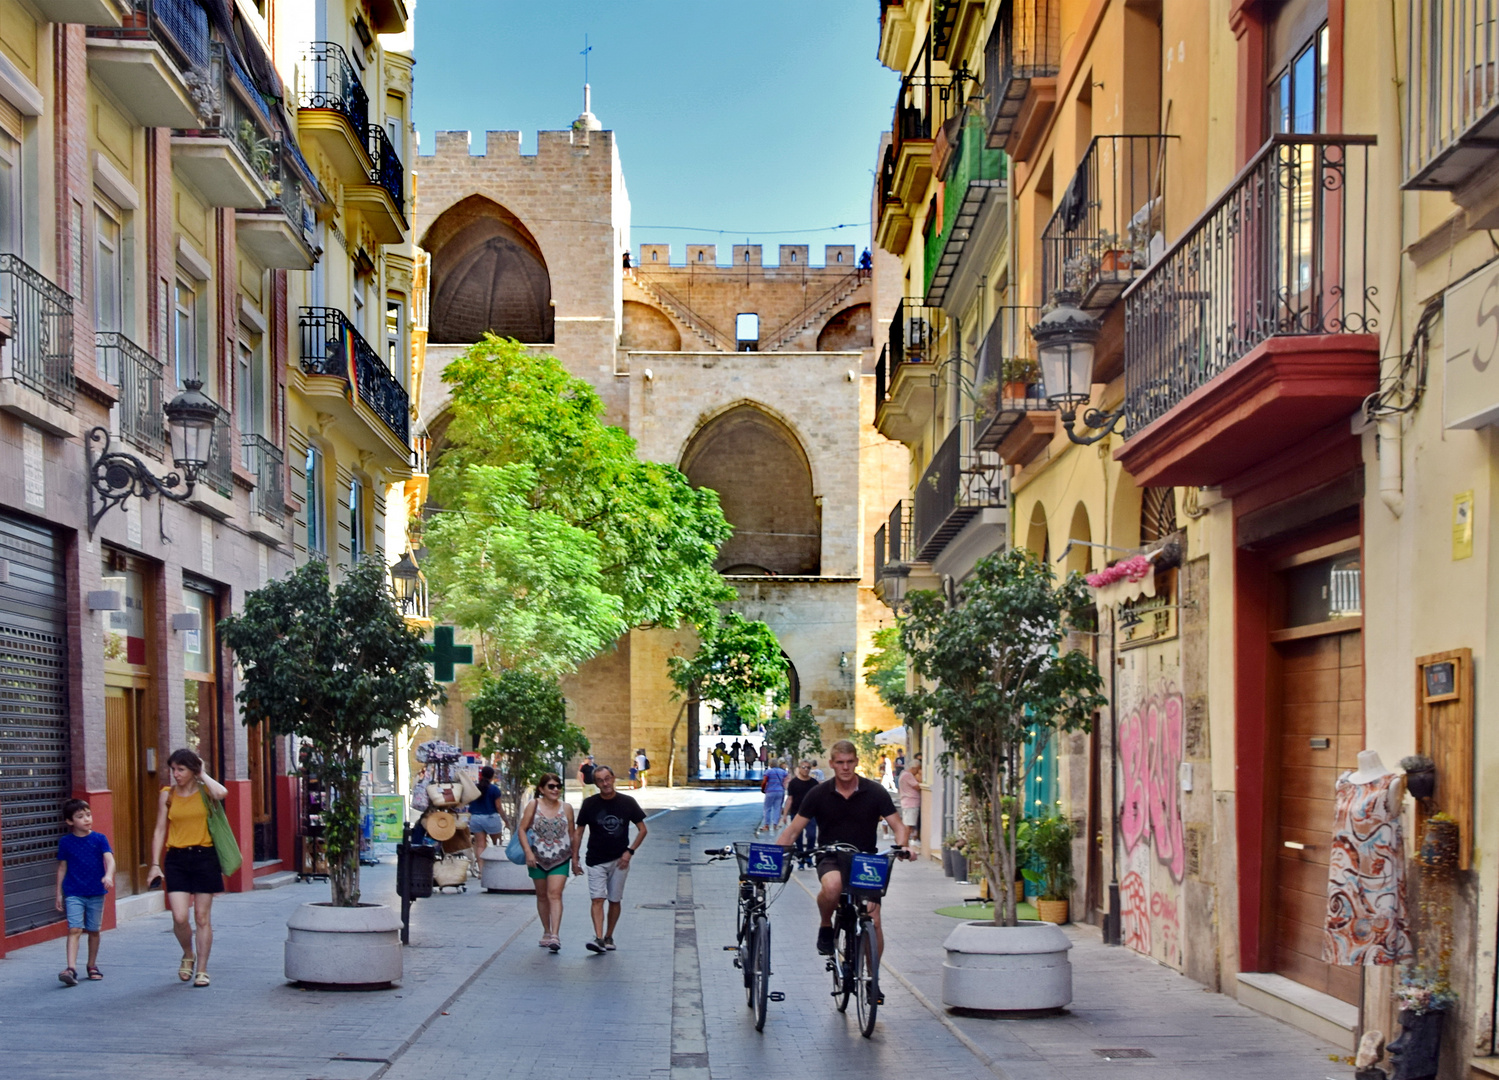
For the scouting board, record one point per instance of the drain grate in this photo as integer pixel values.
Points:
(1121, 1053)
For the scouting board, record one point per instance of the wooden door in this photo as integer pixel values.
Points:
(1321, 733)
(123, 768)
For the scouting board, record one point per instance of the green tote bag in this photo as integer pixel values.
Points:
(225, 846)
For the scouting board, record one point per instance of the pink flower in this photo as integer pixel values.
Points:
(1133, 568)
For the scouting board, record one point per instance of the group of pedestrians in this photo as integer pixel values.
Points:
(727, 757)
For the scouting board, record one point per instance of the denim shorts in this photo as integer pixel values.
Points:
(85, 912)
(492, 824)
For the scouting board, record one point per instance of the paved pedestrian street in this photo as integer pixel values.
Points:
(479, 999)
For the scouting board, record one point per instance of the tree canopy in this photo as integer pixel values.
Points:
(738, 662)
(994, 676)
(338, 668)
(885, 666)
(796, 734)
(522, 717)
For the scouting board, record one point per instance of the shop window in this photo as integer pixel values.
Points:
(315, 508)
(200, 675)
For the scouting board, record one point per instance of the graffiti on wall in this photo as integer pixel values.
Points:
(1134, 911)
(1150, 755)
(1163, 913)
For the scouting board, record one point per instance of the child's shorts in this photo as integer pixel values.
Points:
(85, 912)
(634, 774)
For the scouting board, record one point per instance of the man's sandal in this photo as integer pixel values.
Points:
(94, 974)
(201, 979)
(68, 977)
(185, 969)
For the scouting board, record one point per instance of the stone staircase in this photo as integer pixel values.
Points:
(814, 312)
(702, 328)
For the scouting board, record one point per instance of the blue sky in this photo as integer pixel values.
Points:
(761, 119)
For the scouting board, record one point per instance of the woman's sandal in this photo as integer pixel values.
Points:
(68, 977)
(201, 979)
(94, 974)
(185, 969)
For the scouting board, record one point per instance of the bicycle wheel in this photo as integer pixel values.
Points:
(746, 952)
(844, 938)
(760, 991)
(867, 980)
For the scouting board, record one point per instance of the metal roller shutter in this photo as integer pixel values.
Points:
(34, 774)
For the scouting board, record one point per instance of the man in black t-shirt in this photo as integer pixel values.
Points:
(796, 791)
(607, 817)
(848, 810)
(585, 775)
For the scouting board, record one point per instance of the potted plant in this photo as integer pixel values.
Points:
(997, 682)
(1051, 843)
(1420, 776)
(1019, 373)
(949, 849)
(340, 670)
(520, 719)
(1422, 1003)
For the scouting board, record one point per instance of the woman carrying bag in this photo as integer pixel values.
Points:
(545, 831)
(189, 814)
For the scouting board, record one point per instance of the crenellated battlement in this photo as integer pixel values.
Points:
(455, 147)
(839, 258)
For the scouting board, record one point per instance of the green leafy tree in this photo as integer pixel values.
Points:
(738, 664)
(869, 750)
(657, 536)
(522, 717)
(796, 734)
(885, 666)
(999, 687)
(339, 669)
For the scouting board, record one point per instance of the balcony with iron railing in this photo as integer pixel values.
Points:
(1452, 103)
(218, 476)
(382, 196)
(138, 376)
(1258, 327)
(916, 120)
(155, 62)
(264, 461)
(892, 540)
(957, 486)
(1110, 222)
(279, 235)
(36, 358)
(332, 347)
(906, 371)
(334, 109)
(892, 231)
(230, 157)
(1021, 60)
(1011, 415)
(972, 211)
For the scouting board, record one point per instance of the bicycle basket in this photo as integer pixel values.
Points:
(763, 862)
(865, 874)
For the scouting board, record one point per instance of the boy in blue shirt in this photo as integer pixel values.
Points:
(85, 872)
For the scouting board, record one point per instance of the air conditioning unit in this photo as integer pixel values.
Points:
(918, 336)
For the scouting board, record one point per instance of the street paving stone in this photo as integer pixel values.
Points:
(480, 999)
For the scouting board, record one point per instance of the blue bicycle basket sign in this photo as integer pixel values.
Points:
(869, 872)
(766, 861)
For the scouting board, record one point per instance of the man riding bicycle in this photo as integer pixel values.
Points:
(848, 809)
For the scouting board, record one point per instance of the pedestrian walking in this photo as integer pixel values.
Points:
(642, 766)
(796, 790)
(190, 864)
(720, 758)
(546, 836)
(85, 873)
(773, 787)
(734, 756)
(607, 816)
(910, 798)
(585, 776)
(485, 822)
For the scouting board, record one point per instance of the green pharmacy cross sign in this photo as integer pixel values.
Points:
(442, 654)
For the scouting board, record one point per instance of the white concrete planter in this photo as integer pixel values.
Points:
(1021, 968)
(499, 874)
(348, 947)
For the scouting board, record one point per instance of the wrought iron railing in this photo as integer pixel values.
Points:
(1452, 91)
(974, 172)
(915, 106)
(331, 346)
(388, 172)
(233, 110)
(1110, 222)
(892, 540)
(137, 373)
(956, 485)
(1283, 251)
(39, 353)
(329, 81)
(264, 461)
(1006, 380)
(219, 474)
(914, 333)
(1025, 44)
(180, 25)
(289, 194)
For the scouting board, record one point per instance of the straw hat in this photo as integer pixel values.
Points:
(440, 824)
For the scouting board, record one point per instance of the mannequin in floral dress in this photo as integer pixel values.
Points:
(1366, 913)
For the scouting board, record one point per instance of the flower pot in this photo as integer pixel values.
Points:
(1021, 968)
(960, 866)
(947, 866)
(1052, 911)
(1115, 260)
(347, 947)
(499, 874)
(1015, 391)
(1415, 1051)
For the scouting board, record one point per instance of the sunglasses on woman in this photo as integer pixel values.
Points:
(550, 787)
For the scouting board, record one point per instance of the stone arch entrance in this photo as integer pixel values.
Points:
(648, 329)
(488, 274)
(764, 484)
(850, 329)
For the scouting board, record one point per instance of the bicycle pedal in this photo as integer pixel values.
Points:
(731, 948)
(776, 995)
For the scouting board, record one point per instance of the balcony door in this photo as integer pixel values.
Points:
(134, 764)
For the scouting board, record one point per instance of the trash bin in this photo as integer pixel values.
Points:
(414, 870)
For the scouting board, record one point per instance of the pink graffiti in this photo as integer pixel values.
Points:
(1134, 912)
(1150, 751)
(1163, 914)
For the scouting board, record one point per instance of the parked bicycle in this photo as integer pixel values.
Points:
(760, 865)
(855, 962)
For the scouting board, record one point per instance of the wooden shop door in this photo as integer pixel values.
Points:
(130, 784)
(1321, 732)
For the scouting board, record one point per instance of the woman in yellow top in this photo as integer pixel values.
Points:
(191, 864)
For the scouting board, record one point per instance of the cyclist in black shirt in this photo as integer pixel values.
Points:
(847, 809)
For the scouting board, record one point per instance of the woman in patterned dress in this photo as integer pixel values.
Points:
(546, 828)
